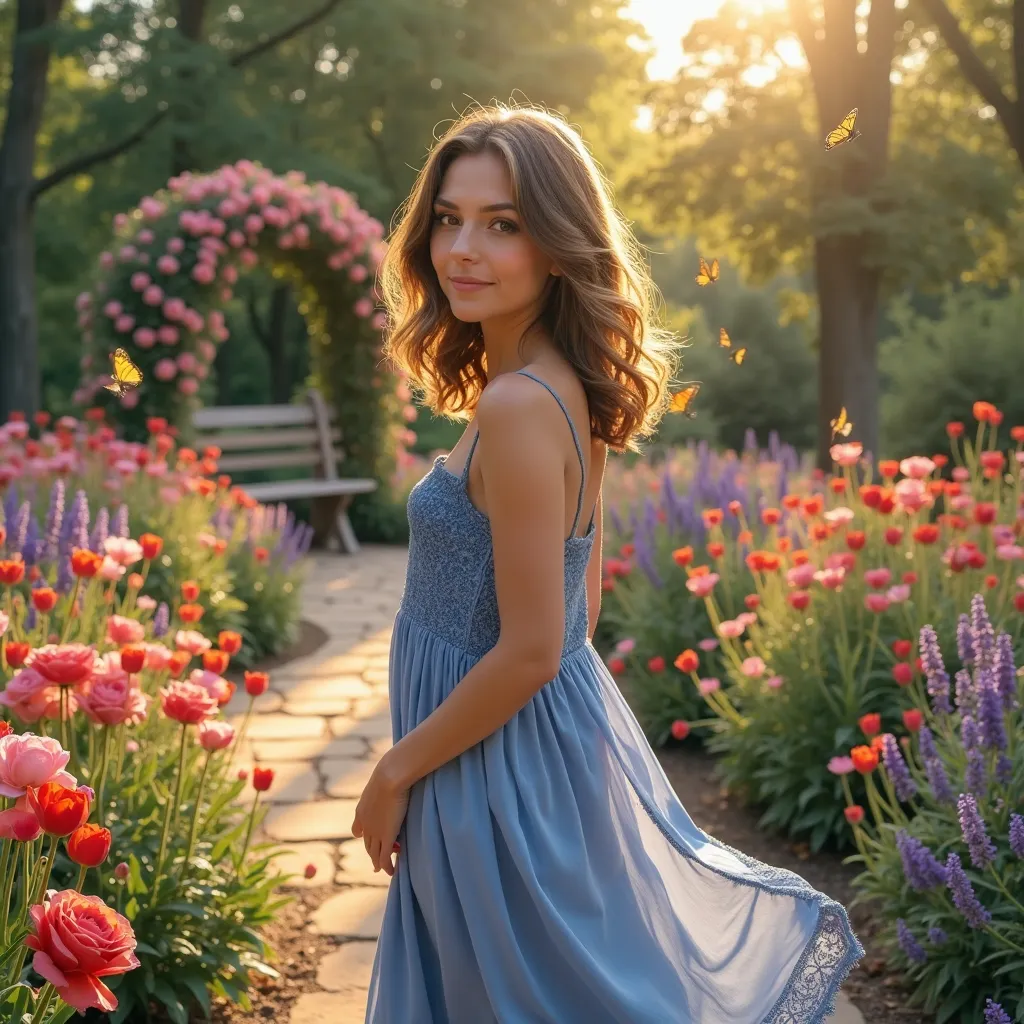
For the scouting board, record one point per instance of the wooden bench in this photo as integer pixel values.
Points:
(253, 437)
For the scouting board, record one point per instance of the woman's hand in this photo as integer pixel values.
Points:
(379, 816)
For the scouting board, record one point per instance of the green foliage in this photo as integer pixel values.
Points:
(935, 369)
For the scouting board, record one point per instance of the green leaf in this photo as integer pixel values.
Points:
(175, 1010)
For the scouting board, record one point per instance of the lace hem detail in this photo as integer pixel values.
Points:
(830, 954)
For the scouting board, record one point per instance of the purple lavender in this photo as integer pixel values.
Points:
(934, 769)
(1017, 835)
(120, 527)
(982, 633)
(78, 522)
(964, 898)
(935, 670)
(991, 728)
(162, 619)
(965, 695)
(1004, 769)
(981, 848)
(65, 576)
(54, 522)
(976, 773)
(897, 768)
(100, 531)
(921, 868)
(995, 1014)
(31, 618)
(33, 549)
(936, 936)
(964, 640)
(910, 946)
(1005, 671)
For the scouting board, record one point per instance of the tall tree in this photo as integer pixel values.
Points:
(743, 166)
(40, 27)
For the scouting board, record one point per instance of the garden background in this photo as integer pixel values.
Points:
(882, 277)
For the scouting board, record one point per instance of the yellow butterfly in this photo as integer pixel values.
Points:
(126, 374)
(724, 341)
(707, 274)
(841, 425)
(844, 133)
(738, 355)
(682, 400)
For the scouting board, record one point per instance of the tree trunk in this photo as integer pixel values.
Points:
(191, 15)
(19, 358)
(277, 345)
(848, 300)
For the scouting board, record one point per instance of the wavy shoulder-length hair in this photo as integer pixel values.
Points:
(600, 311)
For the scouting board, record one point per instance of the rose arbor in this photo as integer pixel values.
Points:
(174, 263)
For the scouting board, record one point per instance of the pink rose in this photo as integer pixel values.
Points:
(153, 295)
(216, 735)
(215, 685)
(731, 629)
(800, 576)
(145, 337)
(174, 309)
(847, 454)
(192, 641)
(139, 281)
(30, 697)
(79, 940)
(899, 593)
(167, 264)
(187, 703)
(878, 579)
(107, 668)
(918, 467)
(363, 308)
(111, 570)
(701, 586)
(167, 334)
(203, 273)
(707, 686)
(753, 668)
(29, 761)
(158, 657)
(912, 494)
(165, 370)
(19, 825)
(113, 701)
(832, 579)
(63, 664)
(175, 245)
(124, 323)
(876, 603)
(188, 385)
(123, 550)
(187, 362)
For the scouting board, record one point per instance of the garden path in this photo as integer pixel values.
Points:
(322, 726)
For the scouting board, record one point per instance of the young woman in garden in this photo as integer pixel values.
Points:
(547, 870)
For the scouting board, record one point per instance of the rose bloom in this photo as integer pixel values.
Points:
(28, 761)
(26, 695)
(217, 686)
(110, 570)
(709, 685)
(123, 550)
(830, 578)
(702, 586)
(898, 594)
(191, 641)
(77, 941)
(847, 454)
(187, 703)
(731, 628)
(113, 701)
(839, 516)
(917, 466)
(215, 735)
(21, 826)
(800, 576)
(63, 664)
(158, 657)
(121, 630)
(912, 495)
(753, 668)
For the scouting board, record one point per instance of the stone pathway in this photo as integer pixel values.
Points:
(322, 726)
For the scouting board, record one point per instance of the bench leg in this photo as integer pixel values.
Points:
(343, 527)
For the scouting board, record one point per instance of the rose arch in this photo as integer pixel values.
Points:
(174, 262)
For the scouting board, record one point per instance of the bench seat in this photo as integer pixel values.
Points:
(288, 490)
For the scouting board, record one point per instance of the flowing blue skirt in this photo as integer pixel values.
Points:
(552, 874)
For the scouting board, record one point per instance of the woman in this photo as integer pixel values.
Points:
(547, 870)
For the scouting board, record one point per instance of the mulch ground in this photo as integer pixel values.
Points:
(877, 991)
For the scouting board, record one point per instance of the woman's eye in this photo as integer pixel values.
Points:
(510, 225)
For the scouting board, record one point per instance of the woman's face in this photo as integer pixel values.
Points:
(478, 235)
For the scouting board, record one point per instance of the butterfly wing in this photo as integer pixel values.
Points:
(126, 373)
(844, 132)
(738, 356)
(115, 388)
(724, 341)
(682, 400)
(714, 270)
(703, 277)
(841, 425)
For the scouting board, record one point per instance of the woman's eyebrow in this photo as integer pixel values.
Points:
(483, 209)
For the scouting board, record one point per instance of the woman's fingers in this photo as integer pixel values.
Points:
(376, 853)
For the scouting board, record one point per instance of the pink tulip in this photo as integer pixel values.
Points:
(800, 576)
(30, 761)
(912, 494)
(702, 586)
(847, 454)
(876, 603)
(216, 735)
(918, 467)
(121, 630)
(731, 629)
(20, 825)
(753, 668)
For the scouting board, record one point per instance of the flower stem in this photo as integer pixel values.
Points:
(248, 837)
(43, 1003)
(101, 781)
(167, 818)
(7, 874)
(195, 820)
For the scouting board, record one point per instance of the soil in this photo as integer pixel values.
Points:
(879, 992)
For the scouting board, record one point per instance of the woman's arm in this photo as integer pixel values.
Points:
(524, 482)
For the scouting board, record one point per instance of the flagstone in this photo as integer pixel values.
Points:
(372, 728)
(265, 704)
(310, 749)
(347, 968)
(371, 707)
(356, 868)
(353, 913)
(347, 1007)
(346, 776)
(283, 727)
(297, 856)
(294, 782)
(344, 685)
(316, 819)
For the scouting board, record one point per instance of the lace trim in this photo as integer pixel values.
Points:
(831, 953)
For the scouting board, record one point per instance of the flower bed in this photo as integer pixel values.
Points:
(942, 838)
(814, 604)
(113, 650)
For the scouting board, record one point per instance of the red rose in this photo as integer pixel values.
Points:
(903, 673)
(615, 665)
(78, 940)
(187, 703)
(64, 664)
(262, 779)
(60, 811)
(89, 845)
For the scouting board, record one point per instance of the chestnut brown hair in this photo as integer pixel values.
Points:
(599, 312)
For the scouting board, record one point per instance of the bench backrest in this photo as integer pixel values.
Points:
(273, 436)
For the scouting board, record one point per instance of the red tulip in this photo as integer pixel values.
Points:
(262, 779)
(60, 811)
(89, 845)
